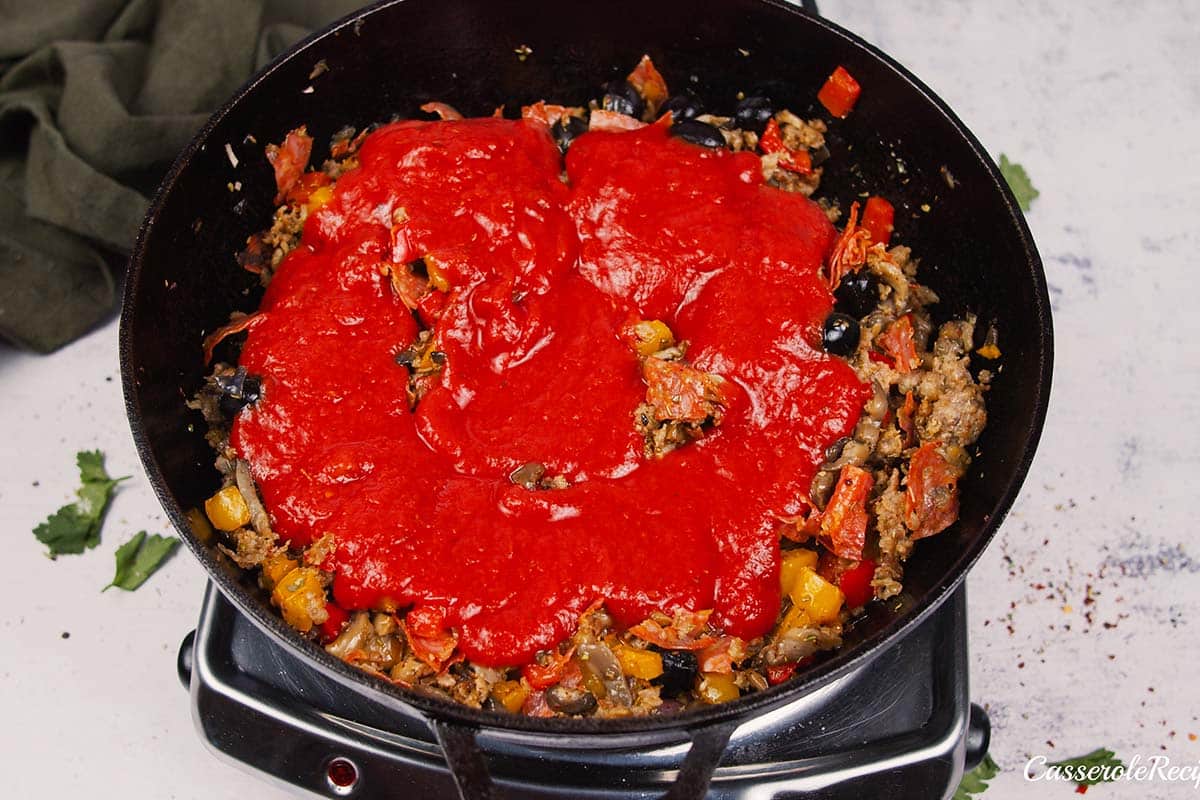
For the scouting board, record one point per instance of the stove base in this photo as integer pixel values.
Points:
(901, 726)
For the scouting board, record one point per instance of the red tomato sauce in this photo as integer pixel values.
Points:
(544, 272)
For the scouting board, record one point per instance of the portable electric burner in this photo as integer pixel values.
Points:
(902, 726)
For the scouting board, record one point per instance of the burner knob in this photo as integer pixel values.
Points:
(183, 663)
(979, 736)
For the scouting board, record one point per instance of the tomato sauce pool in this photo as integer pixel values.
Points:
(542, 270)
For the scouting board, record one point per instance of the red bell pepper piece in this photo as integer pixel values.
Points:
(722, 655)
(337, 618)
(829, 566)
(878, 218)
(289, 160)
(543, 113)
(427, 621)
(685, 632)
(572, 674)
(781, 672)
(771, 140)
(897, 342)
(428, 637)
(855, 584)
(444, 112)
(804, 526)
(305, 185)
(931, 492)
(840, 93)
(904, 418)
(681, 392)
(845, 517)
(229, 329)
(543, 676)
(345, 146)
(797, 161)
(777, 674)
(849, 252)
(601, 119)
(649, 84)
(536, 706)
(880, 358)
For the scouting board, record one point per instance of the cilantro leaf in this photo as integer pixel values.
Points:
(1098, 758)
(91, 466)
(66, 531)
(1018, 180)
(975, 781)
(92, 503)
(138, 558)
(76, 527)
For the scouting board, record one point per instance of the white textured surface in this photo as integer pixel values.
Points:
(1101, 103)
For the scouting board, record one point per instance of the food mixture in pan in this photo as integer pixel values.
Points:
(594, 411)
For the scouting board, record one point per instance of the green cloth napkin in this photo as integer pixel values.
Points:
(96, 99)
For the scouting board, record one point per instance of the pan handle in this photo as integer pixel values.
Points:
(696, 771)
(474, 781)
(466, 760)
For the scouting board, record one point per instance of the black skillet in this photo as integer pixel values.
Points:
(901, 141)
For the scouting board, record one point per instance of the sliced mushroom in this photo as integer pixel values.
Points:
(599, 660)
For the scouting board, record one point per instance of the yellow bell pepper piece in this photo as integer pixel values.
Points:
(592, 682)
(227, 509)
(276, 567)
(817, 597)
(511, 695)
(437, 274)
(789, 567)
(637, 663)
(652, 336)
(796, 617)
(318, 197)
(301, 599)
(200, 525)
(717, 688)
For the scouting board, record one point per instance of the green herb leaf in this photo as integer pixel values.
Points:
(1018, 180)
(76, 527)
(66, 531)
(138, 558)
(975, 781)
(1100, 757)
(91, 466)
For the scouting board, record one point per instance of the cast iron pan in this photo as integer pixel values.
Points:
(901, 141)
